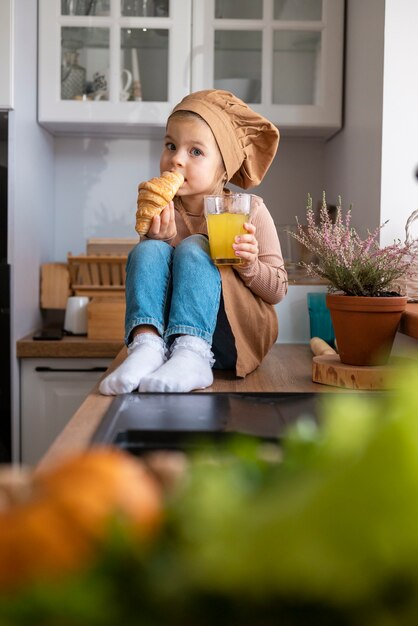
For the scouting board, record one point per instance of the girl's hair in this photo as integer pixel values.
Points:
(184, 114)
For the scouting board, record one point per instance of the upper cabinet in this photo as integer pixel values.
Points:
(284, 57)
(121, 65)
(112, 65)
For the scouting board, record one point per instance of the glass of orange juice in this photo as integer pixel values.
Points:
(225, 217)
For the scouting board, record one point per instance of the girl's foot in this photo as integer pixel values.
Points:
(189, 367)
(146, 354)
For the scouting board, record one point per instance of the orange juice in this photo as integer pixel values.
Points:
(222, 230)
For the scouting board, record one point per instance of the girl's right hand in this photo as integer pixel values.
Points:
(163, 226)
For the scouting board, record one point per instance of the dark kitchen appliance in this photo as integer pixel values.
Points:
(5, 378)
(142, 423)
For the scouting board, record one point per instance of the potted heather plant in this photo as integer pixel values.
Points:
(364, 296)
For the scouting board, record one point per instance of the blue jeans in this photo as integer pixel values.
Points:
(178, 291)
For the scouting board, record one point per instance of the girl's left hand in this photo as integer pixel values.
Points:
(246, 246)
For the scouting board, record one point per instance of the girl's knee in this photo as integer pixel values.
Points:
(150, 245)
(195, 244)
(150, 249)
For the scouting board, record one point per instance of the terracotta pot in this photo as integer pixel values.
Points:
(365, 327)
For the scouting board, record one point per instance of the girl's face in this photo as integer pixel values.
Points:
(190, 148)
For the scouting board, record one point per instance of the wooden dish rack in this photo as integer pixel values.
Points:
(97, 275)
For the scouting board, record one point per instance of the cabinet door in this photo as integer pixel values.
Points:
(283, 57)
(112, 65)
(52, 391)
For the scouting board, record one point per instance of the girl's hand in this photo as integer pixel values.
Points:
(163, 226)
(246, 246)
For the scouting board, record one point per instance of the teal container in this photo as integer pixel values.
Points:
(320, 318)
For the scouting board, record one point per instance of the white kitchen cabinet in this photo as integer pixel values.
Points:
(6, 53)
(123, 67)
(52, 391)
(120, 68)
(284, 57)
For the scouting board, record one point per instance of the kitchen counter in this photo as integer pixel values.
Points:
(287, 367)
(82, 347)
(68, 346)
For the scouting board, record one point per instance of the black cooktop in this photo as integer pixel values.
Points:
(182, 421)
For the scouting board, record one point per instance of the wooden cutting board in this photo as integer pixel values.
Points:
(54, 285)
(327, 369)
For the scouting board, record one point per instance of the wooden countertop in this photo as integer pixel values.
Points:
(287, 367)
(81, 347)
(67, 347)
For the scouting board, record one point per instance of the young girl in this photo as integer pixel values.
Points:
(184, 315)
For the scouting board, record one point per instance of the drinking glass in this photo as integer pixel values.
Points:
(225, 217)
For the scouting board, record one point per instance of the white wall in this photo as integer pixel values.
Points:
(298, 168)
(96, 185)
(353, 156)
(372, 161)
(31, 192)
(293, 314)
(399, 187)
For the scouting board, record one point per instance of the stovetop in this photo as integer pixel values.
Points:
(175, 421)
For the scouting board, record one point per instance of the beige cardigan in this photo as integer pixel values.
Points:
(249, 292)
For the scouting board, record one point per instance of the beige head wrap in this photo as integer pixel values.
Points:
(246, 140)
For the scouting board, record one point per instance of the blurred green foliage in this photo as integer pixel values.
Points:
(329, 535)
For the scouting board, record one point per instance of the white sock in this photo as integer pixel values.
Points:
(146, 353)
(189, 367)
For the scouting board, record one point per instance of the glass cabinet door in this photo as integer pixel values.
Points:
(285, 33)
(85, 7)
(112, 61)
(238, 48)
(145, 8)
(282, 56)
(296, 67)
(145, 53)
(237, 63)
(297, 36)
(298, 10)
(232, 54)
(86, 55)
(144, 64)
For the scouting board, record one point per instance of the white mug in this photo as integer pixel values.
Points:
(75, 321)
(125, 84)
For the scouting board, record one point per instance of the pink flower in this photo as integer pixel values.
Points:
(350, 264)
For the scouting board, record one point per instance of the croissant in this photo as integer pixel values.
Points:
(153, 196)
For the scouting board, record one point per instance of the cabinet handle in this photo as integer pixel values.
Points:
(68, 369)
